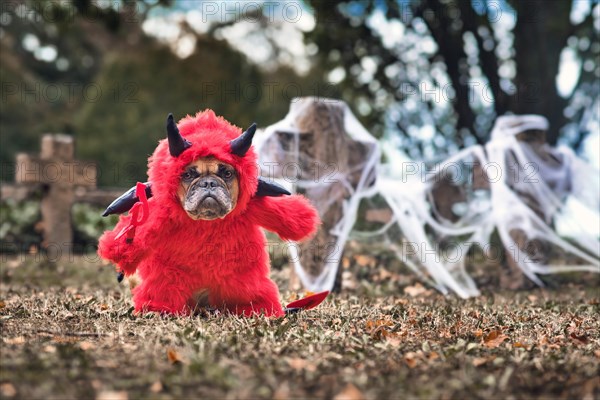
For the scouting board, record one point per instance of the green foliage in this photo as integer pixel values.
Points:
(18, 220)
(19, 224)
(121, 129)
(119, 85)
(89, 222)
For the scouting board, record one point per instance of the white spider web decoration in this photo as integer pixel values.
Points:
(560, 233)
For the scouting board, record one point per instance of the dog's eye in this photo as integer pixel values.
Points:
(227, 174)
(187, 176)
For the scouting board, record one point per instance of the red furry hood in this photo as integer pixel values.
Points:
(210, 136)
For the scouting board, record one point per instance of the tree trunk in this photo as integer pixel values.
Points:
(540, 34)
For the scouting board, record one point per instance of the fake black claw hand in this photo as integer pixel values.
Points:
(124, 202)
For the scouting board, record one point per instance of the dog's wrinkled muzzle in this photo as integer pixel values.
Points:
(207, 198)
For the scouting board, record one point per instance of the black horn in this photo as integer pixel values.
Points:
(177, 144)
(241, 144)
(269, 189)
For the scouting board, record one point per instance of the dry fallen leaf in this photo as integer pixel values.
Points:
(364, 260)
(394, 340)
(293, 296)
(15, 340)
(282, 392)
(410, 359)
(64, 339)
(349, 280)
(2, 305)
(7, 390)
(96, 384)
(384, 274)
(173, 356)
(579, 339)
(49, 349)
(350, 392)
(297, 363)
(374, 324)
(478, 361)
(108, 364)
(85, 345)
(300, 364)
(416, 290)
(478, 333)
(156, 387)
(494, 339)
(518, 344)
(346, 262)
(543, 342)
(378, 329)
(110, 395)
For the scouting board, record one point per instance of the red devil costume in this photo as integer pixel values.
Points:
(178, 258)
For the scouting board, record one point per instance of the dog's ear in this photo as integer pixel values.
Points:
(241, 144)
(270, 189)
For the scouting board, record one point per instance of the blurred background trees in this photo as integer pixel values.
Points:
(455, 65)
(93, 72)
(430, 75)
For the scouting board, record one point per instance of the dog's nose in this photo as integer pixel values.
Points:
(209, 183)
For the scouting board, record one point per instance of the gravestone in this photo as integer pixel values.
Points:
(59, 174)
(326, 164)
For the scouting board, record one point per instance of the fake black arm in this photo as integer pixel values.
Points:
(124, 202)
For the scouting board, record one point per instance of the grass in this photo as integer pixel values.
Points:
(68, 331)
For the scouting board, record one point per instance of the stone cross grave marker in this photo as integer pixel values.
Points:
(57, 171)
(321, 142)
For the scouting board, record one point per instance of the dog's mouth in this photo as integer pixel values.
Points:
(208, 207)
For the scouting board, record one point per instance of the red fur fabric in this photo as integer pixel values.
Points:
(178, 258)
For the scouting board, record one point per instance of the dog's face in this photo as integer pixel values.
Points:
(208, 189)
